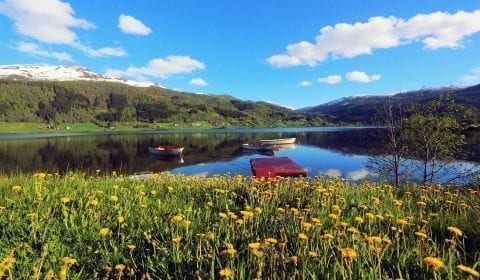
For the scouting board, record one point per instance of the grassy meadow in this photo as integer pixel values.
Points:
(79, 226)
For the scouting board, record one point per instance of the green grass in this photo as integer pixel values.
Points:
(178, 227)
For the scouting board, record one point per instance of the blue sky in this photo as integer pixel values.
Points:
(292, 53)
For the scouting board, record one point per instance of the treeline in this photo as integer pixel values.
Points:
(105, 103)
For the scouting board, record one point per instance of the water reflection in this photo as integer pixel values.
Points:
(322, 151)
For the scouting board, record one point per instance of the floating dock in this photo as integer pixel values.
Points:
(273, 167)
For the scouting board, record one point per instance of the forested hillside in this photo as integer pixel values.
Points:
(104, 103)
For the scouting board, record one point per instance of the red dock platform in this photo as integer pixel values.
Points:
(273, 167)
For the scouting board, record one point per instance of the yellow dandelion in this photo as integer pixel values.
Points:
(373, 239)
(94, 202)
(341, 225)
(402, 222)
(64, 200)
(246, 214)
(16, 188)
(226, 273)
(306, 226)
(456, 231)
(316, 220)
(433, 262)
(313, 254)
(327, 236)
(421, 235)
(352, 230)
(131, 247)
(120, 219)
(120, 267)
(332, 216)
(104, 231)
(222, 215)
(176, 240)
(270, 240)
(369, 216)
(348, 253)
(177, 218)
(302, 236)
(359, 219)
(114, 198)
(468, 270)
(229, 251)
(69, 261)
(254, 245)
(375, 200)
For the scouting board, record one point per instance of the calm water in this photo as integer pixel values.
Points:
(332, 151)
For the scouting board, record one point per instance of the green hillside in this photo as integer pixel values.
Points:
(106, 103)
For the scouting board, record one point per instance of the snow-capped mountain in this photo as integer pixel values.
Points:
(60, 73)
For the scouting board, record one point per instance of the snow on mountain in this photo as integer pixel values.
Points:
(60, 73)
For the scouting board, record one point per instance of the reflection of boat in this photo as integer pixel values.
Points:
(166, 150)
(258, 147)
(168, 158)
(281, 141)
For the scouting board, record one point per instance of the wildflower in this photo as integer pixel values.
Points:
(239, 222)
(348, 253)
(120, 219)
(131, 247)
(177, 218)
(336, 209)
(433, 262)
(306, 226)
(313, 254)
(369, 215)
(332, 216)
(327, 236)
(114, 198)
(226, 273)
(352, 230)
(104, 231)
(402, 222)
(359, 219)
(456, 231)
(176, 240)
(302, 236)
(16, 188)
(342, 225)
(187, 223)
(375, 200)
(373, 239)
(421, 235)
(222, 215)
(94, 202)
(271, 240)
(468, 270)
(397, 203)
(246, 214)
(69, 261)
(254, 246)
(230, 251)
(120, 267)
(316, 220)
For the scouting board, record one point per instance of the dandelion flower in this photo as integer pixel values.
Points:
(271, 240)
(104, 231)
(177, 218)
(94, 202)
(313, 254)
(254, 246)
(402, 222)
(222, 215)
(332, 216)
(359, 219)
(456, 231)
(176, 240)
(468, 270)
(369, 215)
(226, 273)
(120, 219)
(433, 262)
(421, 235)
(16, 188)
(348, 253)
(302, 236)
(114, 198)
(120, 267)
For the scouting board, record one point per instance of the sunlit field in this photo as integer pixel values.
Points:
(177, 227)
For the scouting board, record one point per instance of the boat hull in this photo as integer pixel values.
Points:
(282, 141)
(166, 151)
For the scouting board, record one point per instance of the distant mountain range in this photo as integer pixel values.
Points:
(364, 109)
(41, 72)
(66, 94)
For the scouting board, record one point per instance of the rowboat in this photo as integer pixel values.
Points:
(166, 150)
(251, 147)
(281, 141)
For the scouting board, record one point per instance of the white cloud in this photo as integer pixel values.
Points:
(305, 84)
(331, 80)
(198, 82)
(102, 52)
(357, 174)
(362, 77)
(52, 22)
(34, 49)
(331, 172)
(473, 77)
(48, 21)
(159, 68)
(131, 25)
(344, 40)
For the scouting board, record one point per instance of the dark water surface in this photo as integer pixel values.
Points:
(333, 151)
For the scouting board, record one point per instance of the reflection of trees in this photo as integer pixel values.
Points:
(128, 153)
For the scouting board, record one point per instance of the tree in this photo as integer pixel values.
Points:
(389, 165)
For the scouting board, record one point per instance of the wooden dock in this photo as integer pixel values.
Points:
(273, 167)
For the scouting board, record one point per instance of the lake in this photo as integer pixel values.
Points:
(334, 151)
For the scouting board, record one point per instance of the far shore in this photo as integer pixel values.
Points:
(33, 130)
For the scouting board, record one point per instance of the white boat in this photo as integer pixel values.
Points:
(166, 150)
(258, 147)
(281, 141)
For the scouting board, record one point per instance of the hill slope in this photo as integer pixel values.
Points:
(363, 109)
